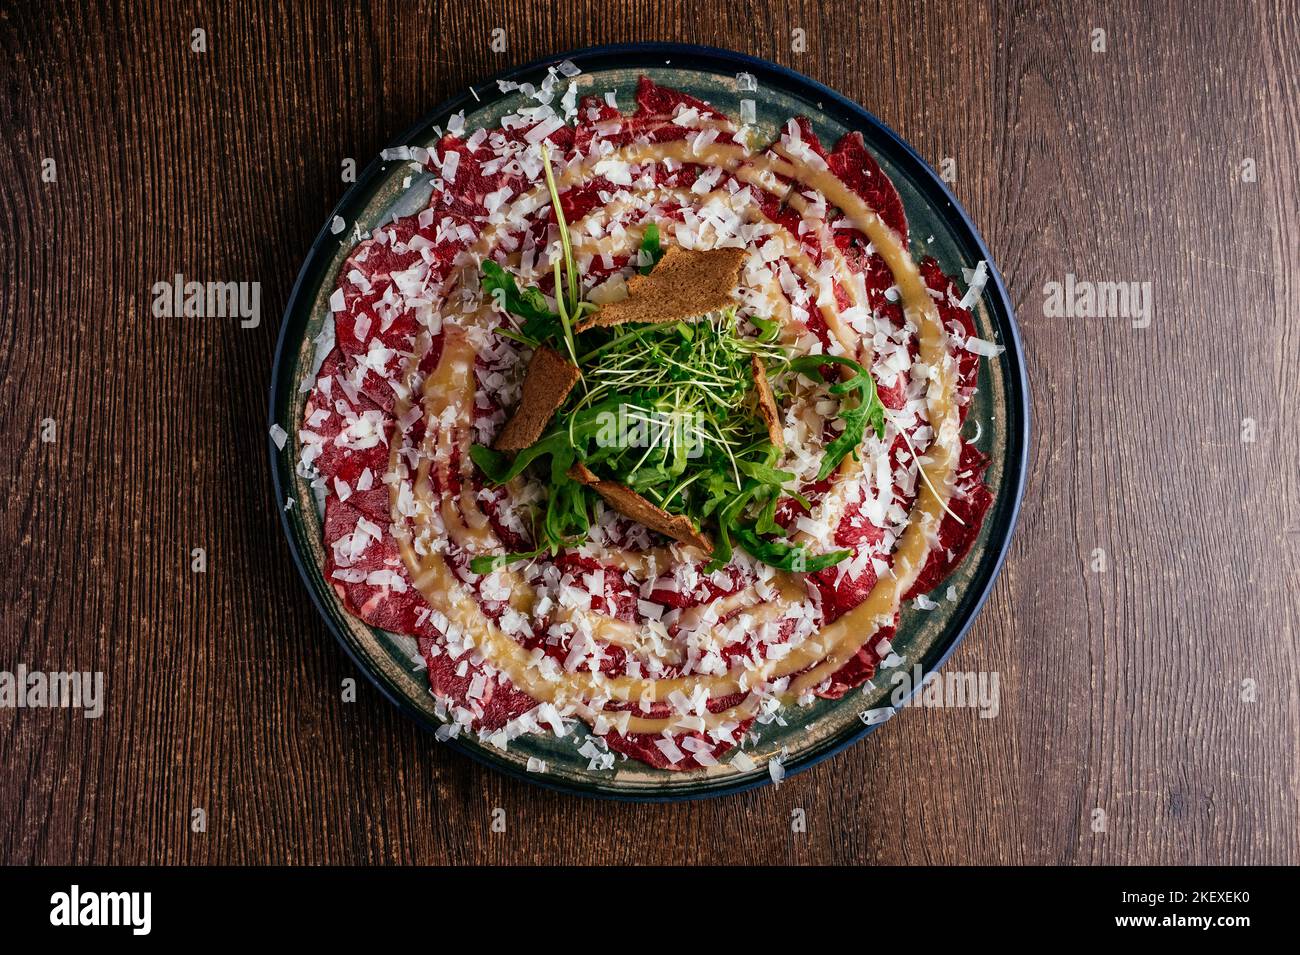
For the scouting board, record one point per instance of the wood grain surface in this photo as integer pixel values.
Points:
(1161, 691)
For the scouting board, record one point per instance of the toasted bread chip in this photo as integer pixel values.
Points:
(767, 406)
(631, 504)
(547, 383)
(683, 286)
(582, 474)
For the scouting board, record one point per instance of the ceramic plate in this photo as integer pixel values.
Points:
(939, 227)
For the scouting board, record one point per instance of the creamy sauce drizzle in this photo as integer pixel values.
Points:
(447, 396)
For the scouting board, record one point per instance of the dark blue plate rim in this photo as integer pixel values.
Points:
(853, 116)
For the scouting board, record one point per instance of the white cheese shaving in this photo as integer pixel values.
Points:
(983, 348)
(975, 282)
(776, 768)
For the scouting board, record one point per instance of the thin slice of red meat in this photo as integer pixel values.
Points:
(336, 459)
(642, 746)
(499, 701)
(970, 504)
(952, 314)
(853, 163)
(655, 100)
(861, 666)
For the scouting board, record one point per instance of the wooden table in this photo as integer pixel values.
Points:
(1170, 158)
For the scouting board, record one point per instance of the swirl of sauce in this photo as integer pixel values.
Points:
(447, 395)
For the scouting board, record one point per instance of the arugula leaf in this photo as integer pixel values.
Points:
(651, 247)
(528, 304)
(869, 410)
(500, 469)
(726, 521)
(540, 323)
(566, 520)
(768, 328)
(765, 473)
(486, 563)
(784, 555)
(766, 523)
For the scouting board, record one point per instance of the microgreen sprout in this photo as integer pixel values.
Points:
(671, 412)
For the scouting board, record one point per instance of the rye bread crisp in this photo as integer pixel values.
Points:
(548, 381)
(767, 406)
(631, 504)
(685, 285)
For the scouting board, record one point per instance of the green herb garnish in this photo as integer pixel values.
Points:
(650, 246)
(868, 411)
(669, 411)
(540, 323)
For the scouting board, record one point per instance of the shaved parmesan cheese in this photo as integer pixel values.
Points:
(776, 769)
(983, 348)
(975, 282)
(742, 761)
(876, 716)
(670, 750)
(922, 602)
(450, 165)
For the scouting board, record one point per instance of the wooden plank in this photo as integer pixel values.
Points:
(1121, 690)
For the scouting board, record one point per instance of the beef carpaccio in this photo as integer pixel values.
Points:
(660, 656)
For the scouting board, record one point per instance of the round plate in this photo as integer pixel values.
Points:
(939, 227)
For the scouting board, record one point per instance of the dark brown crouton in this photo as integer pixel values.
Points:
(547, 383)
(767, 406)
(683, 286)
(631, 504)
